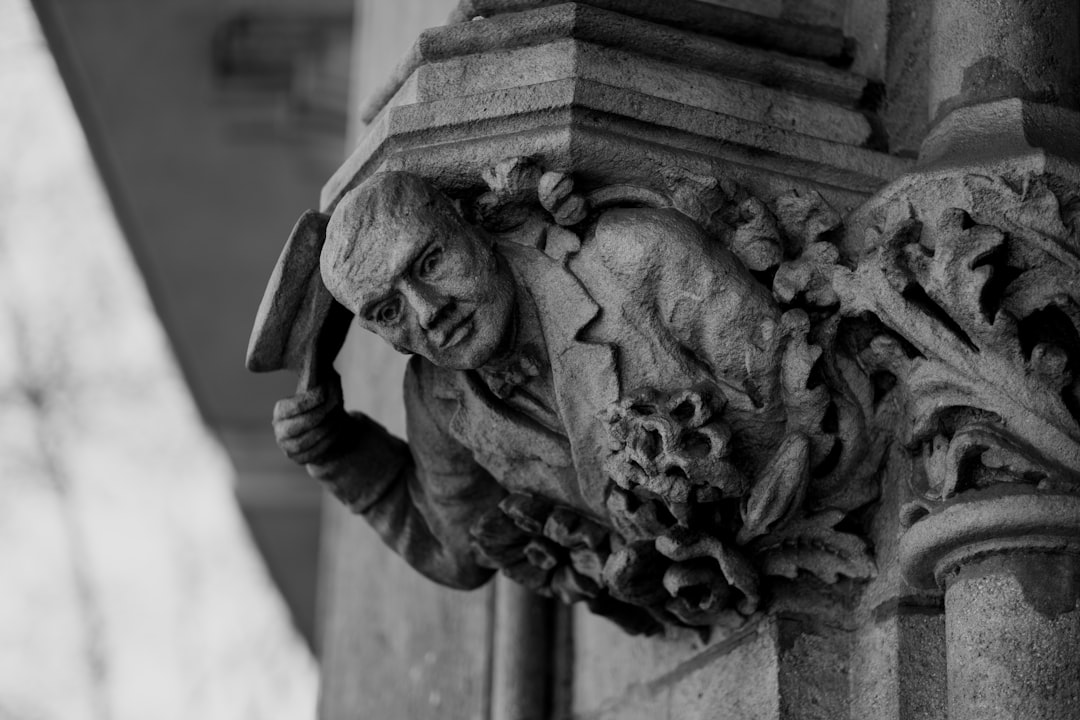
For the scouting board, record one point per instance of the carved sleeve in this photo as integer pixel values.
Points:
(704, 306)
(421, 499)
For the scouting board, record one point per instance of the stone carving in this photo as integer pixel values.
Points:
(973, 282)
(618, 396)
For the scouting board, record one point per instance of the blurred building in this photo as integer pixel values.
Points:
(213, 125)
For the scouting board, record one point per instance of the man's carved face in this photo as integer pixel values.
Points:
(426, 283)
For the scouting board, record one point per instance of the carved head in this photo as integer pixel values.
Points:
(401, 258)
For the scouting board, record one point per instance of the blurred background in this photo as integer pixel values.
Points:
(158, 556)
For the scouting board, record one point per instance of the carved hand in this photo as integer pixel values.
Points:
(308, 425)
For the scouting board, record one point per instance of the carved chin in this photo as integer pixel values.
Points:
(480, 338)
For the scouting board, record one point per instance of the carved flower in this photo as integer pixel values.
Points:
(671, 449)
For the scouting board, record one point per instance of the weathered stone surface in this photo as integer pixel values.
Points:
(618, 31)
(599, 681)
(660, 375)
(416, 650)
(613, 97)
(814, 672)
(754, 22)
(1013, 626)
(735, 678)
(671, 503)
(898, 665)
(1011, 49)
(719, 90)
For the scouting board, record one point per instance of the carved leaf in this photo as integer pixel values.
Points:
(812, 545)
(513, 179)
(684, 546)
(512, 186)
(1034, 213)
(528, 511)
(634, 574)
(809, 276)
(700, 595)
(1020, 399)
(806, 403)
(980, 454)
(702, 198)
(778, 492)
(756, 240)
(805, 217)
(930, 290)
(955, 275)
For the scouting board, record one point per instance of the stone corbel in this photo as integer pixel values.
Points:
(699, 515)
(718, 487)
(941, 316)
(727, 475)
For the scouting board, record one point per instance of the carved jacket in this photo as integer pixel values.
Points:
(648, 301)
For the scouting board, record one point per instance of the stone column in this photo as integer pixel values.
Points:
(985, 50)
(1004, 78)
(1004, 546)
(1010, 568)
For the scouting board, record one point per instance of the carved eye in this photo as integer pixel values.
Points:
(430, 262)
(388, 312)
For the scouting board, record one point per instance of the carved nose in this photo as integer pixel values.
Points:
(430, 307)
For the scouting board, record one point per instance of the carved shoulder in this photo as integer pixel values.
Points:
(643, 241)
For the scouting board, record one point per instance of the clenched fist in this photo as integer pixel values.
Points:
(308, 425)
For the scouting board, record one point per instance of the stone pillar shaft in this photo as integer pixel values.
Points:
(1012, 627)
(983, 50)
(1004, 86)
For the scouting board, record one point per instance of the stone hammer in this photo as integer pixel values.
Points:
(298, 323)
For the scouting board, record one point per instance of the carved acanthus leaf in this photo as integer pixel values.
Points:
(778, 492)
(980, 454)
(756, 240)
(983, 294)
(805, 218)
(812, 544)
(808, 277)
(685, 547)
(807, 401)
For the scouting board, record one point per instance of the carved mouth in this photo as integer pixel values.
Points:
(461, 330)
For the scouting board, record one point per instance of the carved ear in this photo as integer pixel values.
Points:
(296, 301)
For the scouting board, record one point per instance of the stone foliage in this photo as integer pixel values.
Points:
(942, 318)
(971, 287)
(696, 520)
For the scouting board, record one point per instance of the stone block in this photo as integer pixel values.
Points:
(613, 97)
(733, 677)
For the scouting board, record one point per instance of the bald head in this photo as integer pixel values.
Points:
(387, 209)
(401, 258)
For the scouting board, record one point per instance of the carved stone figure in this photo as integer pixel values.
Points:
(604, 402)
